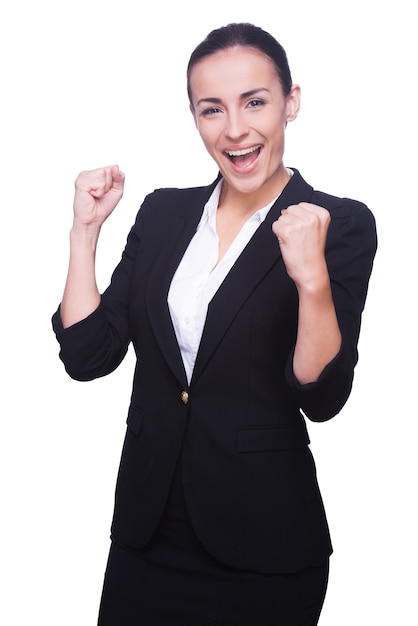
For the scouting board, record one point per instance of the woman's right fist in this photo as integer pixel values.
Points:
(97, 192)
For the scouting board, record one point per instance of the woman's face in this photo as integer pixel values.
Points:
(241, 114)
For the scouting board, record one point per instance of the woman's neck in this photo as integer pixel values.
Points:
(247, 203)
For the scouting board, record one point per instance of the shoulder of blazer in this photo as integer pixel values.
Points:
(351, 219)
(188, 202)
(182, 201)
(342, 207)
(185, 200)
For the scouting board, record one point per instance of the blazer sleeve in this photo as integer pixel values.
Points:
(96, 345)
(350, 251)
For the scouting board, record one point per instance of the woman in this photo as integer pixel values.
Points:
(243, 302)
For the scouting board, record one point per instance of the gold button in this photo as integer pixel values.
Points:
(184, 397)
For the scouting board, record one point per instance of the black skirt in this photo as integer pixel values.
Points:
(173, 581)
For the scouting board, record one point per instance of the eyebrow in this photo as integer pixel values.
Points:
(243, 96)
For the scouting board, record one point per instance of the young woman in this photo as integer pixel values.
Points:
(243, 302)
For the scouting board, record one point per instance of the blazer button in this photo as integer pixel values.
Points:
(184, 397)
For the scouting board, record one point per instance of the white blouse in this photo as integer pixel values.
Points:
(199, 276)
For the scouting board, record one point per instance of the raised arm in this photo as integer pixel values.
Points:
(301, 231)
(97, 192)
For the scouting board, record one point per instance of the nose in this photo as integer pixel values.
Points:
(236, 127)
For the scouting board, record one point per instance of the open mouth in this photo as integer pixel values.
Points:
(244, 158)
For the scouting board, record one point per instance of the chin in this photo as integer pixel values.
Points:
(246, 185)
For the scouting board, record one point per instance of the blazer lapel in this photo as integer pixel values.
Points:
(260, 254)
(188, 211)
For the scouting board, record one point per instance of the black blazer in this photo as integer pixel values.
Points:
(238, 428)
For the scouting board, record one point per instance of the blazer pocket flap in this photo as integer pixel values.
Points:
(271, 438)
(134, 419)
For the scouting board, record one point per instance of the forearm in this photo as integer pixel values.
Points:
(319, 337)
(81, 295)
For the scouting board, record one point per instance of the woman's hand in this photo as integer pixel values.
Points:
(97, 192)
(302, 230)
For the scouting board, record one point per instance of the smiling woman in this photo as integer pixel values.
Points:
(241, 113)
(243, 301)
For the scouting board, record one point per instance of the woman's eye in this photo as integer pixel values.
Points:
(255, 103)
(210, 111)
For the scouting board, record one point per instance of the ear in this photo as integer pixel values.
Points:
(293, 103)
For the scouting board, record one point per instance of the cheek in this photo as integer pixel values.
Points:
(277, 132)
(208, 137)
(205, 141)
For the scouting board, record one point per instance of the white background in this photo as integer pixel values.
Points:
(87, 83)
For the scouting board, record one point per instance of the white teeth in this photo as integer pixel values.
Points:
(234, 153)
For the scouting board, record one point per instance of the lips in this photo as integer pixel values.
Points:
(244, 157)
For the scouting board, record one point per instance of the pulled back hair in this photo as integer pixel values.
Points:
(245, 35)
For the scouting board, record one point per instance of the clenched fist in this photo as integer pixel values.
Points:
(302, 231)
(97, 192)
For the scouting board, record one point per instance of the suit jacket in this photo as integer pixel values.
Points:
(239, 427)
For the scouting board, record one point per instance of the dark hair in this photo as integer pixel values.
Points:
(246, 35)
